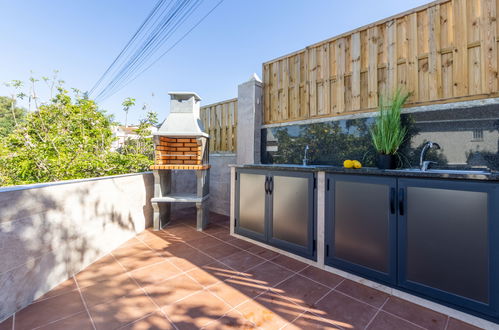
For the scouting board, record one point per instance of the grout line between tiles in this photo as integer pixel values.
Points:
(145, 292)
(357, 299)
(143, 317)
(406, 320)
(57, 295)
(84, 303)
(13, 321)
(57, 320)
(447, 322)
(377, 312)
(379, 309)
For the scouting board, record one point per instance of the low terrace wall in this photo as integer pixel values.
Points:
(48, 232)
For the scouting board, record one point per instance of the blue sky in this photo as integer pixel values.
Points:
(81, 38)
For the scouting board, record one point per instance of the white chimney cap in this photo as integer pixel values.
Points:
(183, 96)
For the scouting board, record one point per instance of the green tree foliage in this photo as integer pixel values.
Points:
(10, 114)
(127, 104)
(143, 144)
(66, 138)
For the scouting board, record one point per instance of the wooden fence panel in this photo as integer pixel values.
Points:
(220, 122)
(445, 51)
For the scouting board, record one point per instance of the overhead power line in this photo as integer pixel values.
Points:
(169, 49)
(151, 14)
(135, 58)
(153, 43)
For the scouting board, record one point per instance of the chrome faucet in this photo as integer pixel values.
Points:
(305, 156)
(424, 164)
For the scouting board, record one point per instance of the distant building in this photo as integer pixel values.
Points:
(122, 133)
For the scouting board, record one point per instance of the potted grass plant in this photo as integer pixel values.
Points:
(388, 133)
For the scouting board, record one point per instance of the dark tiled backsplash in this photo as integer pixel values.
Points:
(469, 138)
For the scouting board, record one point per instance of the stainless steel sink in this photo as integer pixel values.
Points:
(443, 171)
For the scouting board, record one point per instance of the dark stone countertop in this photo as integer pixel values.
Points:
(492, 176)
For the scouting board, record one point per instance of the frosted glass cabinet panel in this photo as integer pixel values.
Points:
(360, 225)
(252, 202)
(291, 209)
(362, 218)
(446, 240)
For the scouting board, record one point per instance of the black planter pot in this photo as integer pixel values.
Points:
(387, 162)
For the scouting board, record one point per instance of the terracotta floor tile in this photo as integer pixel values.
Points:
(101, 270)
(228, 293)
(205, 242)
(343, 311)
(191, 235)
(136, 240)
(192, 260)
(153, 321)
(224, 236)
(232, 320)
(269, 311)
(221, 251)
(384, 321)
(220, 277)
(311, 321)
(134, 249)
(268, 274)
(247, 286)
(112, 289)
(122, 311)
(289, 263)
(80, 321)
(136, 261)
(172, 235)
(7, 324)
(214, 228)
(416, 314)
(242, 261)
(49, 310)
(160, 244)
(155, 273)
(211, 274)
(325, 278)
(368, 295)
(242, 244)
(197, 310)
(173, 289)
(263, 252)
(64, 287)
(301, 290)
(460, 325)
(178, 250)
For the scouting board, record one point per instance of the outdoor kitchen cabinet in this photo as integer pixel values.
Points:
(448, 241)
(361, 225)
(277, 208)
(431, 237)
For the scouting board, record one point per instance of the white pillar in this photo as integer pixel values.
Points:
(249, 121)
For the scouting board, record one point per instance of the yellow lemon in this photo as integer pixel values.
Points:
(357, 164)
(348, 163)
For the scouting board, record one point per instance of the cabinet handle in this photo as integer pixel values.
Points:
(401, 201)
(271, 185)
(266, 185)
(392, 200)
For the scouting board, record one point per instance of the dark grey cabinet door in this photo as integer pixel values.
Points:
(361, 225)
(251, 200)
(292, 212)
(445, 247)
